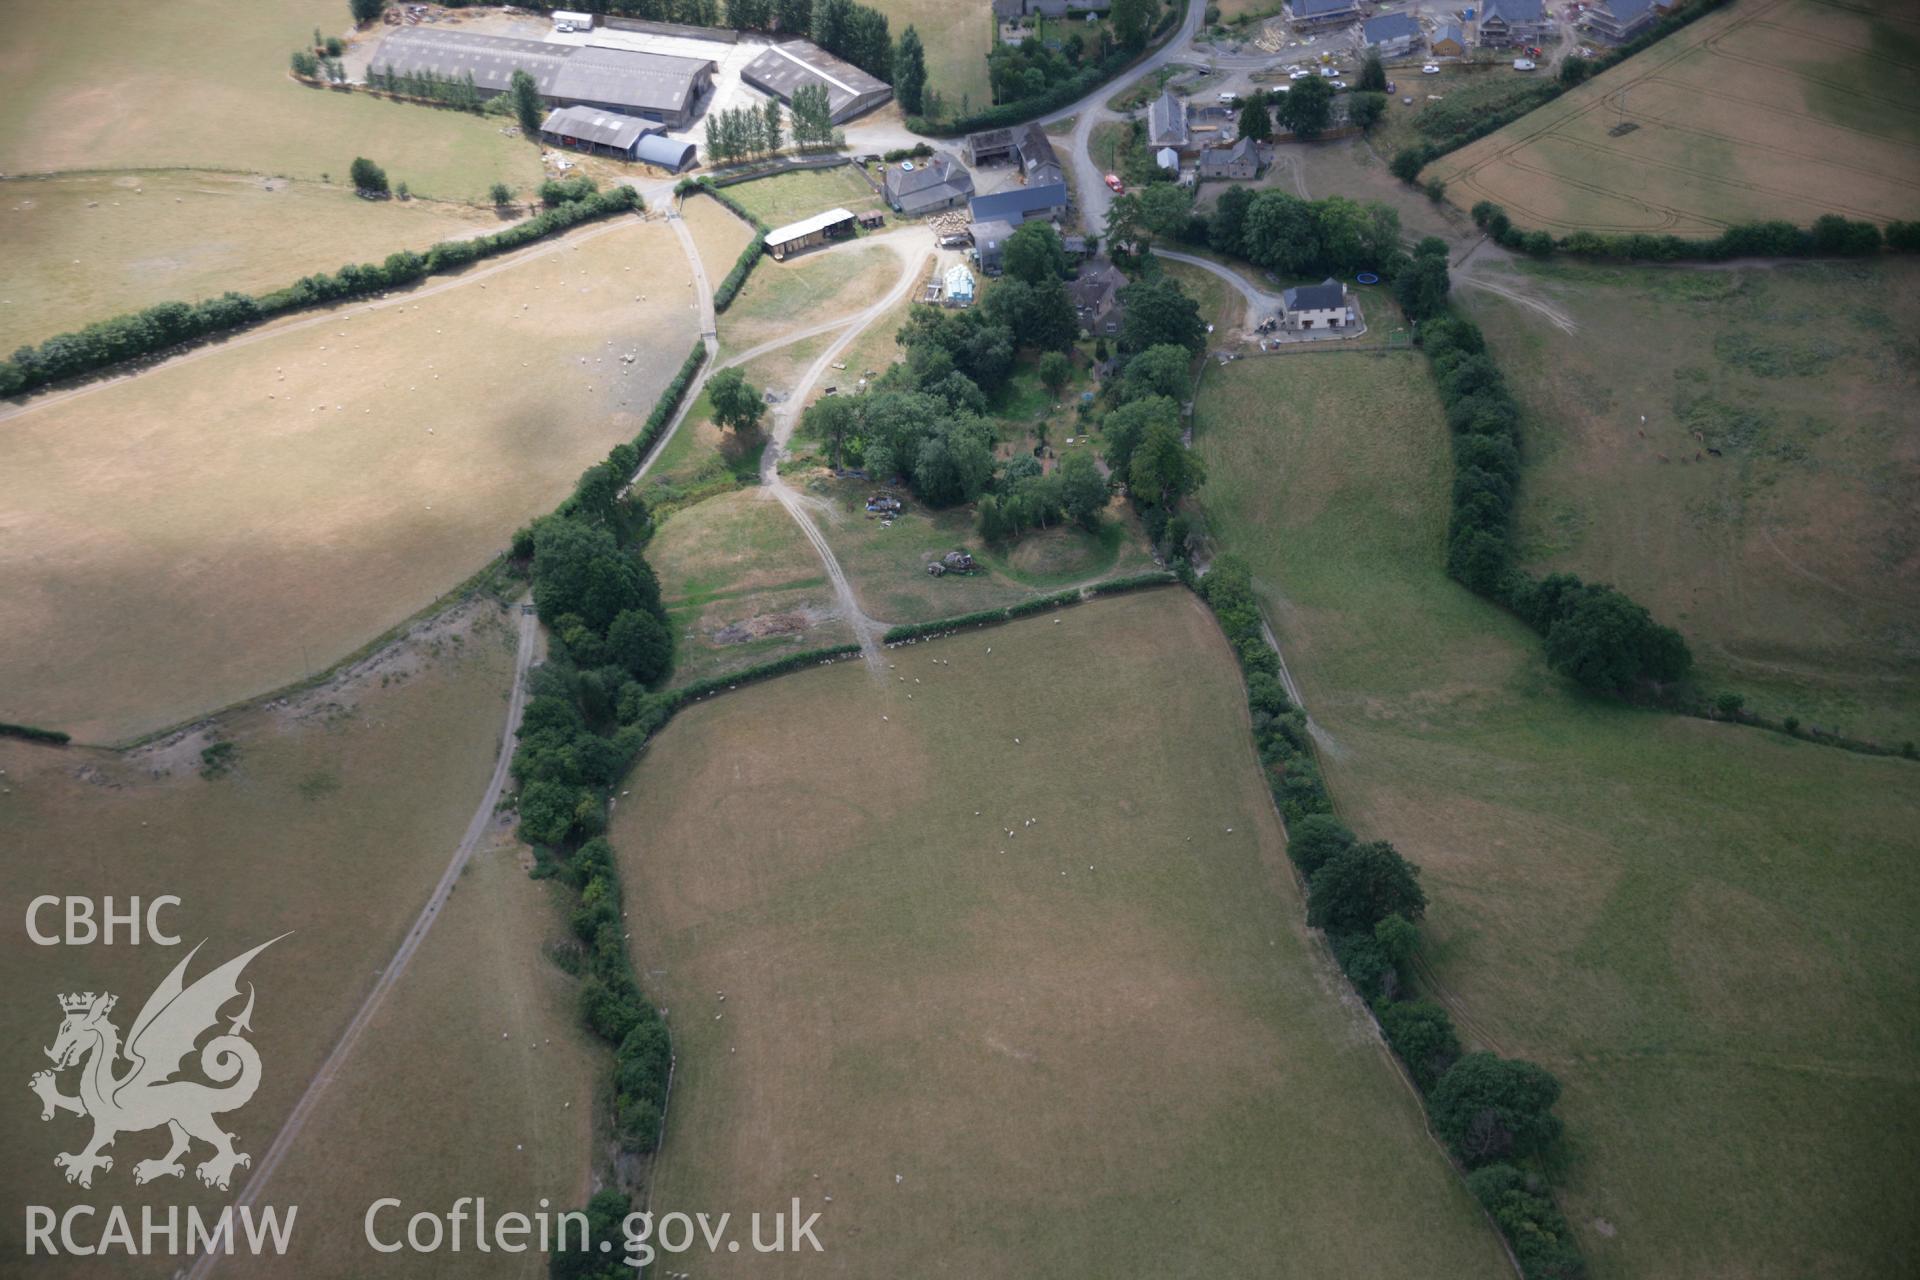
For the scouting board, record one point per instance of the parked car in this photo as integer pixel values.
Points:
(1431, 69)
(1298, 75)
(1339, 84)
(1523, 64)
(1329, 72)
(1116, 186)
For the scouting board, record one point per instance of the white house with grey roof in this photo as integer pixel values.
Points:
(1167, 122)
(1511, 22)
(1618, 21)
(1307, 15)
(1316, 306)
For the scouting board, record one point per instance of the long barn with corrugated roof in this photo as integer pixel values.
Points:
(789, 64)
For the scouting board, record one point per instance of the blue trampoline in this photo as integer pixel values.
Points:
(1367, 277)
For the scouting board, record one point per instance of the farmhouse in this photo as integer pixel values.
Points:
(1096, 298)
(1511, 22)
(1026, 145)
(790, 64)
(1618, 21)
(1391, 35)
(1305, 14)
(1241, 160)
(1018, 205)
(1167, 122)
(795, 237)
(652, 86)
(990, 244)
(1449, 41)
(919, 187)
(1316, 306)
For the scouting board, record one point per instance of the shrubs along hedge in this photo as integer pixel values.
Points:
(167, 325)
(908, 632)
(1830, 236)
(743, 265)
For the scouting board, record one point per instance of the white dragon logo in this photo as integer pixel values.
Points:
(146, 1095)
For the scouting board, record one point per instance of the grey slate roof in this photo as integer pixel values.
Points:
(1512, 11)
(929, 184)
(1451, 31)
(1220, 159)
(1624, 11)
(1328, 295)
(1391, 26)
(650, 81)
(591, 124)
(1167, 121)
(1304, 9)
(1015, 205)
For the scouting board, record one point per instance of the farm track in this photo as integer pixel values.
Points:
(390, 975)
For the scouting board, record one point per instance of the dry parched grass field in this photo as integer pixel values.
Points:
(226, 523)
(1791, 560)
(91, 246)
(129, 85)
(1101, 1044)
(1702, 930)
(335, 821)
(1770, 109)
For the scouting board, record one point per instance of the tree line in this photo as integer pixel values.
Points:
(167, 325)
(1830, 236)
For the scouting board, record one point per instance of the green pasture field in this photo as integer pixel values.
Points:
(742, 586)
(1701, 929)
(1789, 560)
(91, 246)
(1776, 109)
(789, 197)
(1101, 1045)
(233, 520)
(338, 815)
(136, 86)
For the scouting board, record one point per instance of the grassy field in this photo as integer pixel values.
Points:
(1701, 929)
(789, 197)
(87, 247)
(957, 38)
(780, 297)
(205, 82)
(1100, 1045)
(1790, 560)
(221, 525)
(504, 1116)
(337, 818)
(742, 586)
(718, 234)
(1776, 109)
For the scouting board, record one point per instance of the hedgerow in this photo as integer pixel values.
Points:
(33, 734)
(169, 325)
(1830, 236)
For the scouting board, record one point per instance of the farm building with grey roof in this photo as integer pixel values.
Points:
(652, 86)
(788, 65)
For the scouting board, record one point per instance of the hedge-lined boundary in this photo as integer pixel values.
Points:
(701, 689)
(908, 632)
(1054, 97)
(170, 326)
(1830, 236)
(1377, 959)
(1408, 161)
(749, 257)
(33, 734)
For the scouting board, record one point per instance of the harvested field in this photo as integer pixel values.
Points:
(92, 246)
(1787, 557)
(337, 817)
(133, 85)
(228, 522)
(1700, 929)
(1778, 109)
(930, 1024)
(742, 586)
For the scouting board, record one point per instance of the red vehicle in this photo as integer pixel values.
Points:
(1114, 184)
